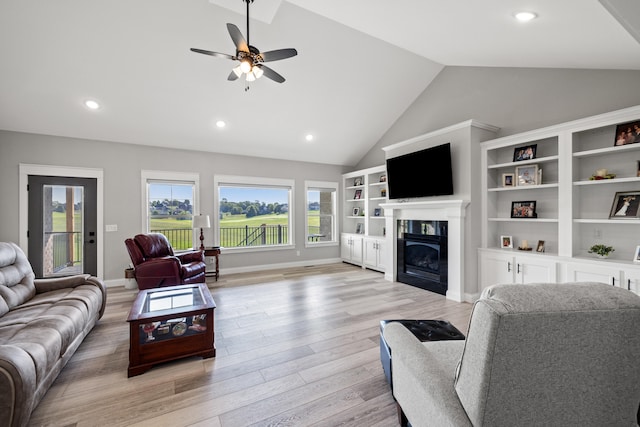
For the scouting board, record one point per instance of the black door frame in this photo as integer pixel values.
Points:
(69, 171)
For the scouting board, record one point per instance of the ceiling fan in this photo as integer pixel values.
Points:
(250, 58)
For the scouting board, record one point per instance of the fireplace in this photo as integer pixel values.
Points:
(423, 254)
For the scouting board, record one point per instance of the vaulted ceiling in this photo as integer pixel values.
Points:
(360, 65)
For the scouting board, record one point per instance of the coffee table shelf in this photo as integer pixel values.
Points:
(170, 323)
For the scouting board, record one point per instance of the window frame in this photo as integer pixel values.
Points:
(326, 185)
(252, 181)
(169, 177)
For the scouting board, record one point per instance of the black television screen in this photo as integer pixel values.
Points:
(421, 174)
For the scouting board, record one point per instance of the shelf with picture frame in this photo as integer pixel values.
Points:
(580, 198)
(371, 184)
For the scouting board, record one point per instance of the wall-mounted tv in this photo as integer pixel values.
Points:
(422, 173)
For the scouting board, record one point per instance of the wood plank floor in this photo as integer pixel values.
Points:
(295, 347)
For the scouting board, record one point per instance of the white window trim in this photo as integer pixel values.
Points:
(169, 176)
(254, 182)
(321, 184)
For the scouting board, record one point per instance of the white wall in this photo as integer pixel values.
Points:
(514, 99)
(122, 165)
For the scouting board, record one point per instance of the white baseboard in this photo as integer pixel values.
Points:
(248, 269)
(252, 268)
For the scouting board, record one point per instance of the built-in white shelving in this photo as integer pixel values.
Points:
(574, 210)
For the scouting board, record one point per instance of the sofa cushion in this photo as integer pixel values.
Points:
(16, 277)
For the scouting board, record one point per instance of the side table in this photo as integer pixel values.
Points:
(213, 251)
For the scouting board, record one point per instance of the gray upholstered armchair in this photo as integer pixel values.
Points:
(538, 354)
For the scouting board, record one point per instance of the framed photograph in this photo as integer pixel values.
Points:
(358, 181)
(527, 175)
(636, 256)
(508, 180)
(357, 195)
(359, 228)
(383, 192)
(528, 152)
(540, 247)
(625, 205)
(506, 242)
(524, 209)
(383, 178)
(356, 212)
(377, 212)
(627, 133)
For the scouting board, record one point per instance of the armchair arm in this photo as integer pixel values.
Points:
(423, 378)
(163, 271)
(191, 256)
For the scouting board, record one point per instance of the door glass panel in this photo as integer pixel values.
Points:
(63, 218)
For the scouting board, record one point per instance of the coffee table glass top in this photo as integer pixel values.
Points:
(159, 300)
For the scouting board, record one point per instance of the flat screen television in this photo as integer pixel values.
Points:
(422, 173)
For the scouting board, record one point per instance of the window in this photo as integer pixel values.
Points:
(254, 212)
(321, 225)
(169, 204)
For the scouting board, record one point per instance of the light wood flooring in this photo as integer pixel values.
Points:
(295, 347)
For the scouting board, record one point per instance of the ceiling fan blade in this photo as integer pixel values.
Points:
(276, 55)
(238, 38)
(233, 76)
(269, 73)
(208, 52)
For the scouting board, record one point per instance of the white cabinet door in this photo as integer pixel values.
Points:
(535, 269)
(370, 255)
(496, 268)
(632, 280)
(351, 248)
(345, 247)
(373, 255)
(593, 272)
(381, 255)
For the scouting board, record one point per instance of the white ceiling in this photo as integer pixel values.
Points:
(360, 65)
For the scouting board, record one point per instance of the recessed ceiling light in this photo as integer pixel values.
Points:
(91, 104)
(525, 16)
(221, 123)
(309, 137)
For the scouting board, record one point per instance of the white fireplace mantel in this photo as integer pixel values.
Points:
(452, 211)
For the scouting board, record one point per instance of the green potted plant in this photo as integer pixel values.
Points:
(602, 251)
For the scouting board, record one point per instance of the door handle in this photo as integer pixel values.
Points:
(509, 267)
(628, 284)
(518, 271)
(90, 241)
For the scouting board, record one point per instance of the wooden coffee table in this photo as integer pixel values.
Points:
(170, 323)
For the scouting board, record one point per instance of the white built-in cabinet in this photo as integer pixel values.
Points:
(573, 210)
(351, 248)
(363, 219)
(373, 253)
(500, 267)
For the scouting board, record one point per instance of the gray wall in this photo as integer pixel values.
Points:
(514, 99)
(122, 164)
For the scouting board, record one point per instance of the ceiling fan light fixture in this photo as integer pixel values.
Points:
(245, 66)
(250, 77)
(257, 71)
(237, 71)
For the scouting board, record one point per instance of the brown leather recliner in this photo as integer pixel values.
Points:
(156, 265)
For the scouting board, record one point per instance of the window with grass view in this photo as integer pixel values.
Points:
(254, 215)
(170, 207)
(321, 212)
